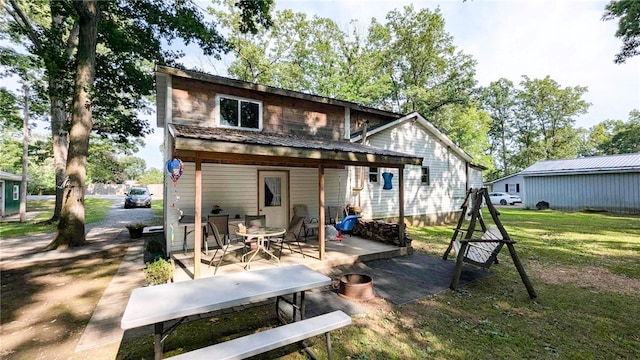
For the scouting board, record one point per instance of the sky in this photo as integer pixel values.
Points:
(564, 39)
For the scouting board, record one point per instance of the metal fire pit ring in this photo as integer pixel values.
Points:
(356, 287)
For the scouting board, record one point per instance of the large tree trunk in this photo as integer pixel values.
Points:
(59, 118)
(71, 225)
(60, 146)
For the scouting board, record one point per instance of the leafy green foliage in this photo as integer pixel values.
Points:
(151, 176)
(628, 12)
(625, 137)
(10, 118)
(158, 272)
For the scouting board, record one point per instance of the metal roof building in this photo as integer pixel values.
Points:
(610, 183)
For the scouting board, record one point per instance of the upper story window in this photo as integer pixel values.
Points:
(238, 112)
(425, 178)
(373, 174)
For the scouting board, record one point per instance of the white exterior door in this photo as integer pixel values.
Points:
(273, 197)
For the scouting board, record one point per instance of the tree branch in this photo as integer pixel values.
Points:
(18, 15)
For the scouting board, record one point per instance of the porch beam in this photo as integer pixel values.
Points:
(292, 152)
(321, 234)
(197, 241)
(401, 204)
(249, 159)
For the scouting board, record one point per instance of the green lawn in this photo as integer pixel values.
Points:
(584, 267)
(95, 211)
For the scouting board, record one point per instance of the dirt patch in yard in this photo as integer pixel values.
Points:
(47, 304)
(590, 277)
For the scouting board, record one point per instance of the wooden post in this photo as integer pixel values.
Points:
(401, 226)
(197, 240)
(321, 234)
(523, 274)
(459, 260)
(464, 207)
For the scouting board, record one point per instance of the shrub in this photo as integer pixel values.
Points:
(158, 272)
(155, 247)
(136, 226)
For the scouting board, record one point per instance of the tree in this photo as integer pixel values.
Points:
(103, 165)
(133, 167)
(9, 111)
(499, 100)
(628, 12)
(151, 176)
(418, 61)
(130, 34)
(546, 117)
(71, 224)
(625, 138)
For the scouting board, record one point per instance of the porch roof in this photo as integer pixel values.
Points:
(235, 146)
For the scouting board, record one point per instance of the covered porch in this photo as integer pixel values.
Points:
(261, 152)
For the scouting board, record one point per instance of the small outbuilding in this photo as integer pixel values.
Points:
(9, 193)
(601, 183)
(511, 184)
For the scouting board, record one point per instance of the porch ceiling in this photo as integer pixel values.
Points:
(252, 147)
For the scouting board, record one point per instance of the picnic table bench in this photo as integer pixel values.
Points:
(261, 342)
(176, 301)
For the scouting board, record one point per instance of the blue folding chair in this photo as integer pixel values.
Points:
(346, 225)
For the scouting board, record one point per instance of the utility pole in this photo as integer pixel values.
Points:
(25, 154)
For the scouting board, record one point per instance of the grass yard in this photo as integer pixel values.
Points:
(584, 267)
(95, 211)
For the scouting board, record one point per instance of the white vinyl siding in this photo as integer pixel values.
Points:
(475, 178)
(234, 188)
(447, 175)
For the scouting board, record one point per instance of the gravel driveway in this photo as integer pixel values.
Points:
(110, 232)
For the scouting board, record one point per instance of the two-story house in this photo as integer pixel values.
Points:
(255, 149)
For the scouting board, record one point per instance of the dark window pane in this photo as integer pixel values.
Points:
(249, 115)
(228, 112)
(373, 174)
(425, 176)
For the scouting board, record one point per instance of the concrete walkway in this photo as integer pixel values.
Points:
(104, 326)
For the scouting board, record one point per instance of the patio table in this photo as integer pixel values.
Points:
(262, 236)
(160, 303)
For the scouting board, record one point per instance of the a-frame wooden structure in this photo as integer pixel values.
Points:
(482, 250)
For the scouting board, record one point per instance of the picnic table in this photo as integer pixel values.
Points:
(161, 303)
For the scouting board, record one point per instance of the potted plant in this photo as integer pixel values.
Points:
(135, 230)
(158, 272)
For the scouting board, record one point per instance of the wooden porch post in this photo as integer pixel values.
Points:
(321, 211)
(401, 205)
(197, 241)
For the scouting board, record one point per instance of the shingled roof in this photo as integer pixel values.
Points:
(189, 137)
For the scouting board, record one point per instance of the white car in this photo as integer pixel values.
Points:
(504, 198)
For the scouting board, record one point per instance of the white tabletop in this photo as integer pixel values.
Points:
(153, 304)
(265, 232)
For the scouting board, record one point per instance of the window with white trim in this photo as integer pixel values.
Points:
(238, 112)
(425, 178)
(373, 174)
(513, 188)
(16, 192)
